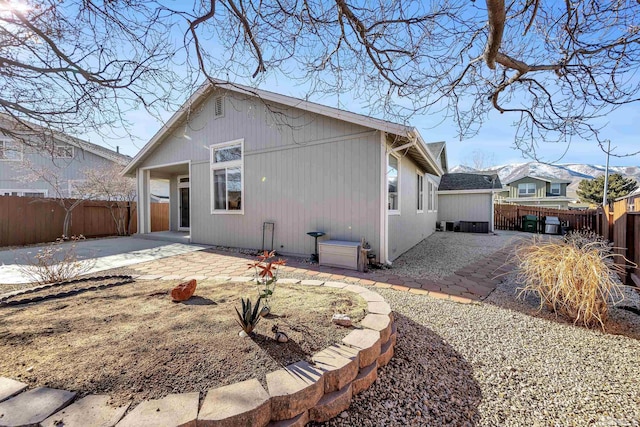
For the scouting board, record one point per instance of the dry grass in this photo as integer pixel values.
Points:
(133, 343)
(578, 281)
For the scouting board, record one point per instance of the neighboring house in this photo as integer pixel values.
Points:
(67, 155)
(238, 158)
(538, 191)
(465, 201)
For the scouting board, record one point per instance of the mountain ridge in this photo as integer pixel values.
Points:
(573, 172)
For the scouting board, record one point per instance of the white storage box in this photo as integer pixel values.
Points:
(338, 253)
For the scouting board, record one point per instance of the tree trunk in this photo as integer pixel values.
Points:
(66, 224)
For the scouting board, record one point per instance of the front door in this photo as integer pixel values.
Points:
(183, 205)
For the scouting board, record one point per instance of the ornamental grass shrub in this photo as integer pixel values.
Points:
(575, 277)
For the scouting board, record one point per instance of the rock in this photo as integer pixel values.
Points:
(341, 319)
(183, 291)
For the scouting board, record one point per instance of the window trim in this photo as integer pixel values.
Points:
(526, 193)
(393, 211)
(21, 191)
(56, 155)
(559, 186)
(213, 166)
(420, 192)
(3, 142)
(432, 195)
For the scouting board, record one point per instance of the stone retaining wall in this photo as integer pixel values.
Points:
(299, 393)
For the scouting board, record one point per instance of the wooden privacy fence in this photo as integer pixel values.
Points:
(509, 217)
(29, 220)
(622, 227)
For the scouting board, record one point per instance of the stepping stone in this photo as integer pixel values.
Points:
(338, 285)
(371, 296)
(357, 289)
(294, 390)
(174, 410)
(338, 370)
(331, 405)
(379, 307)
(9, 388)
(367, 341)
(312, 282)
(365, 378)
(300, 421)
(90, 411)
(289, 281)
(378, 322)
(241, 404)
(33, 406)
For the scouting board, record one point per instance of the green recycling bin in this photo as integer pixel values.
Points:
(530, 223)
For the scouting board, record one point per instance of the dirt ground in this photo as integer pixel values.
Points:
(133, 343)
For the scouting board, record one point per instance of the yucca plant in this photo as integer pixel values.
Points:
(576, 280)
(249, 318)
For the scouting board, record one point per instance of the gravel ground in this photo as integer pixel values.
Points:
(492, 364)
(441, 254)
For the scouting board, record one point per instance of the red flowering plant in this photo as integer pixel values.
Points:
(266, 274)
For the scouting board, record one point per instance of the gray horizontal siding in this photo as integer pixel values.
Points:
(12, 173)
(410, 227)
(302, 171)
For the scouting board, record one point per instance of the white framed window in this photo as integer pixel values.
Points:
(218, 107)
(393, 183)
(10, 151)
(432, 196)
(63, 152)
(227, 173)
(24, 192)
(555, 189)
(420, 192)
(526, 189)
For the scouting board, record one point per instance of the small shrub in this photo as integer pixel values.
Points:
(266, 274)
(249, 318)
(576, 278)
(56, 262)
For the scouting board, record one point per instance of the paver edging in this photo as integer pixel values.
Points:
(321, 400)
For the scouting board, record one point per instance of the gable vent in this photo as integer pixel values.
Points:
(219, 107)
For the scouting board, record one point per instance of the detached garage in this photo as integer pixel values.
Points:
(465, 202)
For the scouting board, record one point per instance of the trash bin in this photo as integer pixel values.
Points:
(530, 223)
(551, 225)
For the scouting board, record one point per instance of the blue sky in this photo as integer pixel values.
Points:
(494, 142)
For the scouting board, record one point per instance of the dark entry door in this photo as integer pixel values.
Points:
(184, 207)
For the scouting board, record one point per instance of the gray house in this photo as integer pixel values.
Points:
(466, 201)
(240, 159)
(67, 155)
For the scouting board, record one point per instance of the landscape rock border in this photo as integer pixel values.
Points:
(7, 300)
(295, 395)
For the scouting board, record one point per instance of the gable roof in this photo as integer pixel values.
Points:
(469, 181)
(199, 96)
(549, 179)
(31, 129)
(436, 149)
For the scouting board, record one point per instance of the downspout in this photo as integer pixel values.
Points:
(384, 197)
